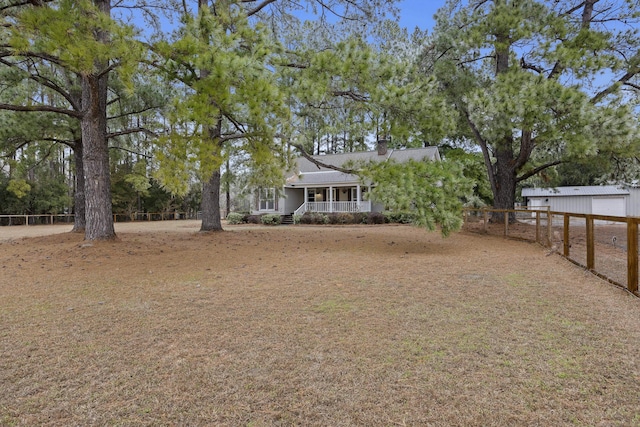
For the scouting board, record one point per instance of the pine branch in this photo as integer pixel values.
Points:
(130, 151)
(622, 80)
(484, 145)
(24, 3)
(527, 145)
(259, 7)
(143, 110)
(351, 95)
(539, 169)
(130, 131)
(321, 164)
(41, 108)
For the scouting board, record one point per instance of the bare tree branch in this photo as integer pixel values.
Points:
(41, 108)
(622, 80)
(259, 7)
(321, 164)
(539, 169)
(130, 131)
(130, 151)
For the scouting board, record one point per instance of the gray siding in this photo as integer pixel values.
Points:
(294, 199)
(583, 204)
(633, 202)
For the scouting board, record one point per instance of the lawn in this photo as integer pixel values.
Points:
(316, 326)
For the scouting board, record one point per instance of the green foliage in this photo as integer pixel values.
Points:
(534, 82)
(68, 33)
(235, 218)
(399, 217)
(232, 103)
(474, 170)
(271, 219)
(20, 196)
(432, 190)
(344, 92)
(19, 188)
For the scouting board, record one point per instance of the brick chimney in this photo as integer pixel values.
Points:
(382, 147)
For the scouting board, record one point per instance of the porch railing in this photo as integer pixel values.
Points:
(327, 207)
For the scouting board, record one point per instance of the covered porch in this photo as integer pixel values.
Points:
(334, 199)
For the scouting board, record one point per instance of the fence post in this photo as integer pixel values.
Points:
(591, 259)
(506, 223)
(566, 235)
(537, 226)
(486, 220)
(26, 219)
(549, 228)
(632, 255)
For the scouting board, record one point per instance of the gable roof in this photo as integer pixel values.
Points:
(587, 190)
(309, 173)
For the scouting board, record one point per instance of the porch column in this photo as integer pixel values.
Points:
(306, 197)
(358, 196)
(330, 199)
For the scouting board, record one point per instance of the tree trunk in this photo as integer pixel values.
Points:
(99, 213)
(79, 222)
(211, 220)
(504, 195)
(227, 188)
(504, 191)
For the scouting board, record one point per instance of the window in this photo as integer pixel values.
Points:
(315, 195)
(267, 199)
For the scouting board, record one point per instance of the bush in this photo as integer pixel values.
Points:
(235, 218)
(297, 218)
(271, 219)
(400, 217)
(340, 218)
(314, 218)
(360, 218)
(253, 219)
(375, 218)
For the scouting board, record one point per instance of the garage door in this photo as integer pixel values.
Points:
(613, 206)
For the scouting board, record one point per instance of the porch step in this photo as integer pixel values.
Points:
(287, 219)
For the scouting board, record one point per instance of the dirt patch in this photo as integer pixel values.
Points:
(352, 325)
(610, 242)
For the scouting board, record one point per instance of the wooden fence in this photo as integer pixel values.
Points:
(605, 245)
(49, 219)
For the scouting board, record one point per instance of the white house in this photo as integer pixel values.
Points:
(612, 200)
(311, 188)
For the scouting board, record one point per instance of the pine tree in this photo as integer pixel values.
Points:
(527, 78)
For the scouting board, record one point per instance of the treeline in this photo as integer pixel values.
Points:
(112, 107)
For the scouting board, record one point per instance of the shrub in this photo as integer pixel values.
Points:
(306, 218)
(253, 219)
(340, 218)
(400, 217)
(314, 218)
(271, 219)
(297, 218)
(360, 218)
(235, 218)
(375, 218)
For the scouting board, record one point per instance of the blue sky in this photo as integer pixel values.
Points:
(418, 13)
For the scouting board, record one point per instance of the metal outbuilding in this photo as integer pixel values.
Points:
(613, 200)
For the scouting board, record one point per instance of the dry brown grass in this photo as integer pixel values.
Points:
(339, 326)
